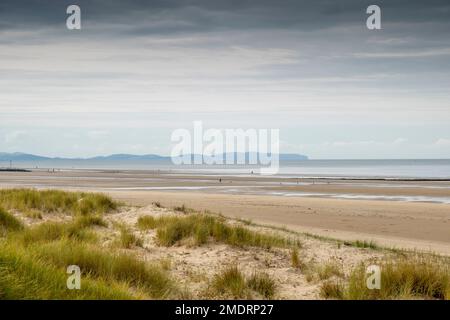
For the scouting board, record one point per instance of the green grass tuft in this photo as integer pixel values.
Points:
(128, 239)
(202, 228)
(56, 201)
(108, 266)
(52, 231)
(23, 276)
(328, 270)
(230, 282)
(415, 277)
(263, 284)
(8, 222)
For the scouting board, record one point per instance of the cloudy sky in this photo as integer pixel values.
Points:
(137, 70)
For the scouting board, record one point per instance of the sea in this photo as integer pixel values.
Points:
(410, 169)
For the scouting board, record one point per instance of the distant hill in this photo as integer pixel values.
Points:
(19, 156)
(31, 160)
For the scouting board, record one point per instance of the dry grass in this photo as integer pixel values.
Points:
(328, 270)
(362, 244)
(295, 259)
(332, 290)
(203, 228)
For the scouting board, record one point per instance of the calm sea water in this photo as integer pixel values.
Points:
(412, 169)
(371, 168)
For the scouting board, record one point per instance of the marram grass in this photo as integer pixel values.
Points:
(417, 277)
(230, 282)
(33, 260)
(203, 228)
(8, 222)
(26, 276)
(55, 201)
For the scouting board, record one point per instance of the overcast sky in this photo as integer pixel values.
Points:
(137, 70)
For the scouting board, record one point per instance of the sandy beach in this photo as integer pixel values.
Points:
(321, 207)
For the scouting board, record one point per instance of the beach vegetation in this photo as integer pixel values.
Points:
(8, 222)
(128, 239)
(56, 201)
(417, 277)
(203, 228)
(263, 284)
(362, 244)
(230, 282)
(24, 276)
(328, 270)
(332, 290)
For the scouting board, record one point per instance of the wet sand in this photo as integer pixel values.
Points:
(402, 224)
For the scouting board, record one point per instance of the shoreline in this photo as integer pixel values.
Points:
(402, 224)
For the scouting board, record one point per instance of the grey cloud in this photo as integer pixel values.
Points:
(207, 15)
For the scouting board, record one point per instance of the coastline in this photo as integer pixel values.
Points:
(401, 224)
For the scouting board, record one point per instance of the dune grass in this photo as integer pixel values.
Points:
(362, 244)
(111, 266)
(263, 284)
(49, 248)
(328, 270)
(295, 259)
(203, 228)
(332, 290)
(24, 276)
(422, 277)
(8, 222)
(33, 260)
(230, 282)
(78, 229)
(150, 222)
(127, 239)
(55, 201)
